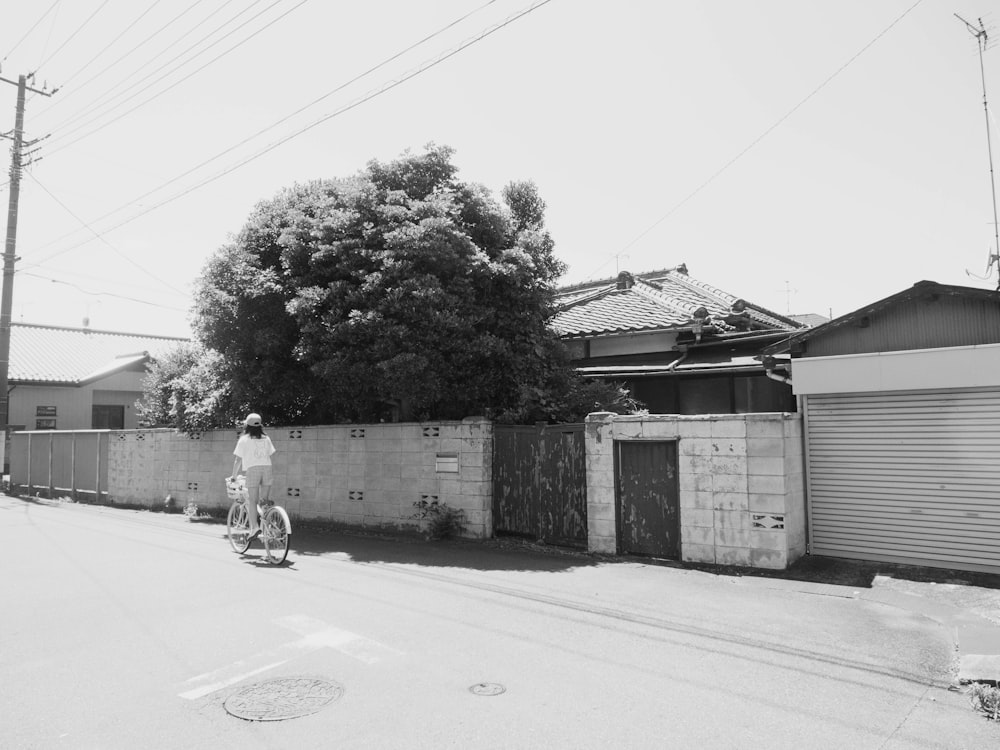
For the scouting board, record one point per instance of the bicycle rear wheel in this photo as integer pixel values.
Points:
(238, 527)
(276, 531)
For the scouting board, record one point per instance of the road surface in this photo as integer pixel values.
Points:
(125, 629)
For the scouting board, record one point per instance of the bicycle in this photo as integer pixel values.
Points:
(275, 527)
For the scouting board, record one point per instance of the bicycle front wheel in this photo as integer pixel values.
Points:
(276, 531)
(238, 527)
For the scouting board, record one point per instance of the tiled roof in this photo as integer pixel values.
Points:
(652, 301)
(50, 354)
(810, 319)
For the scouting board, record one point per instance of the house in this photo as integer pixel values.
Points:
(77, 378)
(901, 405)
(680, 345)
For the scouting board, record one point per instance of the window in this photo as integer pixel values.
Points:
(106, 417)
(706, 395)
(712, 394)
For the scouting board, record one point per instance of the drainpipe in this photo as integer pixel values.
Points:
(780, 378)
(769, 371)
(673, 365)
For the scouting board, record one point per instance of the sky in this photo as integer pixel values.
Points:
(808, 156)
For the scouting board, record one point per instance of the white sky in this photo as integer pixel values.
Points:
(619, 111)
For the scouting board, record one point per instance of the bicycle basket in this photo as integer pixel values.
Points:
(237, 489)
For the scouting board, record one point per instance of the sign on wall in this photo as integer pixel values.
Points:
(45, 411)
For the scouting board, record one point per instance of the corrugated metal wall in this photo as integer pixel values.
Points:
(911, 477)
(71, 462)
(926, 323)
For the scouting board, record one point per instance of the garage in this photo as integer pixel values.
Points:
(901, 402)
(906, 476)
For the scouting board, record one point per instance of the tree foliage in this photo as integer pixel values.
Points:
(400, 292)
(187, 388)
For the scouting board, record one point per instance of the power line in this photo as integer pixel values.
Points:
(140, 45)
(28, 32)
(766, 133)
(173, 70)
(71, 37)
(275, 124)
(386, 87)
(100, 237)
(110, 44)
(104, 294)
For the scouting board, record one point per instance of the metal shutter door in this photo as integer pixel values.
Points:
(906, 476)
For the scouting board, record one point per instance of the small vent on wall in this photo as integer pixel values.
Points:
(192, 486)
(428, 498)
(358, 433)
(446, 463)
(768, 522)
(122, 436)
(295, 434)
(293, 492)
(431, 432)
(195, 436)
(139, 436)
(355, 496)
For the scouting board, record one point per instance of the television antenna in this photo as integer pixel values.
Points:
(788, 296)
(979, 32)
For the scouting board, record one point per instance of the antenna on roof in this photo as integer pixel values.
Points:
(788, 297)
(981, 39)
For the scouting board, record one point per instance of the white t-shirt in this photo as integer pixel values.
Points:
(254, 451)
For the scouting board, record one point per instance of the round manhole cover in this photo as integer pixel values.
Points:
(282, 698)
(487, 688)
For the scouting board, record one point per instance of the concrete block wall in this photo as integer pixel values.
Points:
(367, 476)
(740, 476)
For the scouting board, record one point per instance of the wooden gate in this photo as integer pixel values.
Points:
(540, 483)
(648, 498)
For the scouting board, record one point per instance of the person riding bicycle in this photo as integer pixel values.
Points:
(253, 455)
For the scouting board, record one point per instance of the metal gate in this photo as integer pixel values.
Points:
(648, 498)
(73, 462)
(906, 476)
(540, 483)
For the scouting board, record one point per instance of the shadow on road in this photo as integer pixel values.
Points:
(514, 554)
(491, 554)
(857, 573)
(511, 553)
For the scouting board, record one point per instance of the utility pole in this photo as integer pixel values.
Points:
(9, 258)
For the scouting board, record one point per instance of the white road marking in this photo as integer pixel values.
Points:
(319, 633)
(316, 634)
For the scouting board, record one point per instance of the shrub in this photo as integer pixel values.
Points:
(986, 700)
(443, 521)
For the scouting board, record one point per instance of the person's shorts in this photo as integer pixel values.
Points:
(257, 477)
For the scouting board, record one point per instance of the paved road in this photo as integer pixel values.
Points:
(123, 629)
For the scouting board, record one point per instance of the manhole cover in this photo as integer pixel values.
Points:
(282, 698)
(487, 688)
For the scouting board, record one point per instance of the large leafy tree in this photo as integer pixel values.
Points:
(185, 387)
(401, 292)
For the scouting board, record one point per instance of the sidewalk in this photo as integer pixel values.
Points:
(966, 604)
(971, 614)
